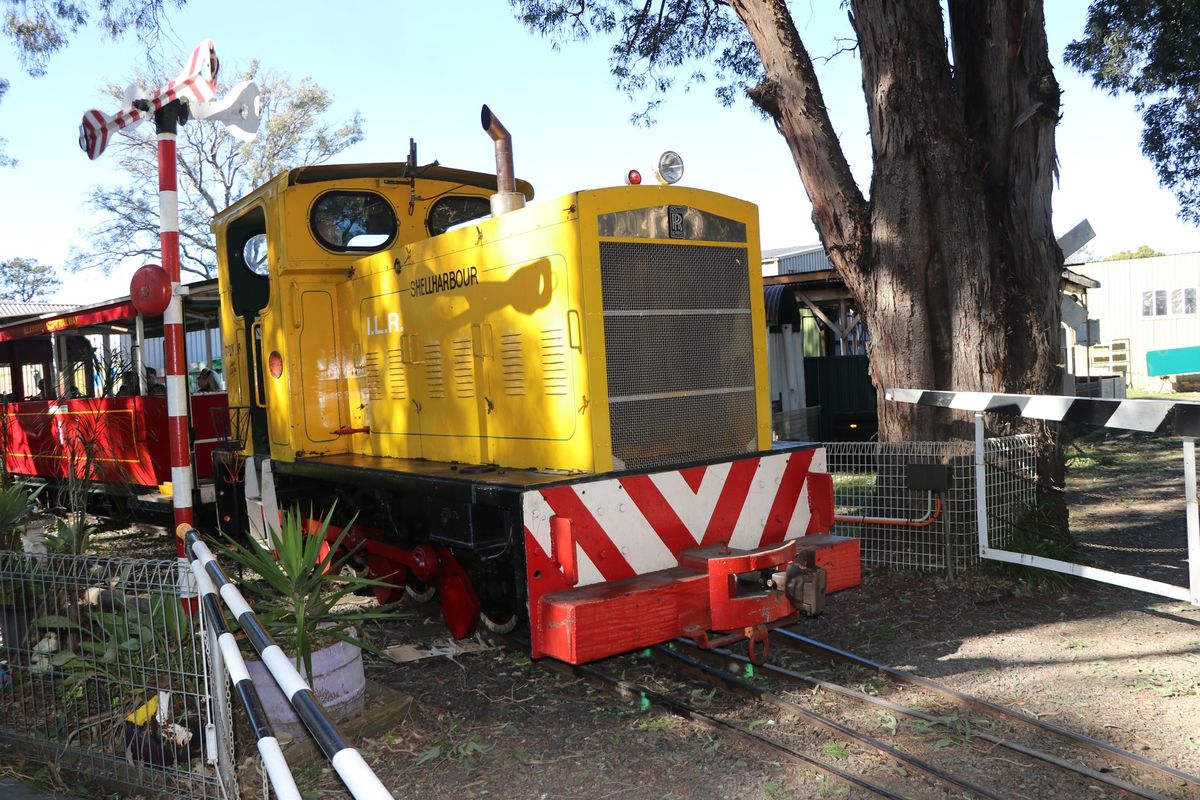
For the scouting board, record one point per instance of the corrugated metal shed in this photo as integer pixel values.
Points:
(795, 260)
(16, 310)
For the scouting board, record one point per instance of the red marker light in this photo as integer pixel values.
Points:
(633, 178)
(275, 364)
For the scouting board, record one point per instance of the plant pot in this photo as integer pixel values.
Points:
(338, 683)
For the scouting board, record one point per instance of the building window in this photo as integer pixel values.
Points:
(1176, 302)
(1154, 303)
(31, 379)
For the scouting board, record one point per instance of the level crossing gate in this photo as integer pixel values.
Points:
(1162, 417)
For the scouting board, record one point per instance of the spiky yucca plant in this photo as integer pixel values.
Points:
(296, 587)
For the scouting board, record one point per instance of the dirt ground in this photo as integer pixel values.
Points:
(1117, 665)
(1110, 663)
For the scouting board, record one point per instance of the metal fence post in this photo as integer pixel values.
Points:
(1193, 518)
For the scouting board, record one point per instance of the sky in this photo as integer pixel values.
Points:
(422, 70)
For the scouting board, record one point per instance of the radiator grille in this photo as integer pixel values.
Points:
(679, 338)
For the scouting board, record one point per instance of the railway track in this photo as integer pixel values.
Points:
(821, 721)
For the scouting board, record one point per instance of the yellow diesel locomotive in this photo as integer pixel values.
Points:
(523, 406)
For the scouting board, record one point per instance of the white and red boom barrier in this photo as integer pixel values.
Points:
(197, 83)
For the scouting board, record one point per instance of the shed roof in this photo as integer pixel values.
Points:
(796, 260)
(796, 249)
(16, 310)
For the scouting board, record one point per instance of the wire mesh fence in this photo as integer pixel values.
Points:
(869, 481)
(102, 675)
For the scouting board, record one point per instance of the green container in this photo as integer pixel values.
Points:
(1174, 361)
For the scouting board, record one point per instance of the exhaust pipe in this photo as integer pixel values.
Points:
(506, 198)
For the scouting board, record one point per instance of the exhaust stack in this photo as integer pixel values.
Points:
(506, 198)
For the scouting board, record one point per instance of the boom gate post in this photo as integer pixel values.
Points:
(166, 123)
(172, 104)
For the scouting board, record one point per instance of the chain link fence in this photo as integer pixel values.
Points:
(103, 677)
(869, 481)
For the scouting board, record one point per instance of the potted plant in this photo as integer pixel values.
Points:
(294, 589)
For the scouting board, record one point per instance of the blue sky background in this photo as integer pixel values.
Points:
(422, 70)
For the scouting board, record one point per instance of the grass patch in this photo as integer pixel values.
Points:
(835, 750)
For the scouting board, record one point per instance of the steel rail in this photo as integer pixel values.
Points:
(629, 690)
(714, 675)
(987, 706)
(1016, 747)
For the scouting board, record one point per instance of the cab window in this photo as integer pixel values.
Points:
(451, 211)
(353, 222)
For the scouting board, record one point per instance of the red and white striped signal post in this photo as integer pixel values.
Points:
(172, 104)
(166, 122)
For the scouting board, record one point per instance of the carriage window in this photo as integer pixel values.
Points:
(254, 253)
(353, 222)
(451, 211)
(31, 380)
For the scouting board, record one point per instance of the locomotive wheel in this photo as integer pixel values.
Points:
(419, 592)
(384, 570)
(499, 623)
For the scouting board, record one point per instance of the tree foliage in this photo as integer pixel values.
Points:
(214, 170)
(24, 279)
(1151, 50)
(40, 28)
(655, 42)
(1145, 251)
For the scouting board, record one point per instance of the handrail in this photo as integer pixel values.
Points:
(358, 777)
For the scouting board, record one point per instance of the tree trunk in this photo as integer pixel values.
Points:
(952, 259)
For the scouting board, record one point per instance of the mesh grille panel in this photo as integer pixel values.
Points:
(678, 353)
(640, 276)
(654, 432)
(679, 339)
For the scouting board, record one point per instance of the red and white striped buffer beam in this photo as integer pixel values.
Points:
(197, 83)
(636, 554)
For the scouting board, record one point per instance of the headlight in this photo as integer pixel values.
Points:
(670, 167)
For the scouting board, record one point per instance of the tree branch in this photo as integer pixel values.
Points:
(791, 95)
